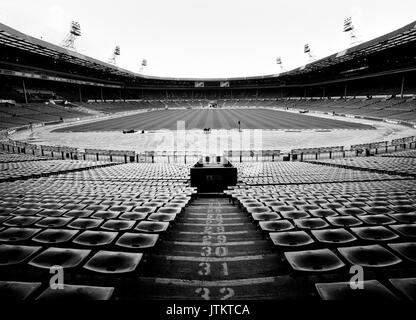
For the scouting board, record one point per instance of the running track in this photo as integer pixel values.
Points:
(215, 119)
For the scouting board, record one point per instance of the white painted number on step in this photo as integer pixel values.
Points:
(226, 293)
(203, 293)
(205, 269)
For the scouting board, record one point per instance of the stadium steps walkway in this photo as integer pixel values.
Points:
(214, 252)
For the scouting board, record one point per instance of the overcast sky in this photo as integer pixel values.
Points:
(207, 38)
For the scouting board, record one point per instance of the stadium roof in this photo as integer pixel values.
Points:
(13, 38)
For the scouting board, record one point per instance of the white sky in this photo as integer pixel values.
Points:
(207, 38)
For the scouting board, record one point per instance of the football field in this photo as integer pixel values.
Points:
(215, 119)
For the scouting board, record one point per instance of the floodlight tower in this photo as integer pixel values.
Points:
(116, 53)
(279, 63)
(308, 52)
(143, 65)
(349, 27)
(74, 32)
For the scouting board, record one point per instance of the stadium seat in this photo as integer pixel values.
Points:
(294, 239)
(404, 217)
(311, 223)
(405, 230)
(372, 291)
(53, 222)
(378, 210)
(78, 213)
(323, 213)
(152, 226)
(162, 217)
(137, 240)
(77, 293)
(105, 215)
(23, 221)
(12, 254)
(95, 238)
(275, 226)
(351, 211)
(50, 236)
(333, 236)
(378, 233)
(65, 258)
(118, 225)
(13, 290)
(110, 262)
(344, 221)
(51, 213)
(292, 215)
(377, 219)
(405, 250)
(84, 223)
(407, 286)
(322, 260)
(373, 256)
(17, 234)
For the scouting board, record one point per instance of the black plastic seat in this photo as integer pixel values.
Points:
(355, 204)
(105, 215)
(311, 223)
(65, 258)
(407, 286)
(55, 236)
(378, 210)
(144, 210)
(95, 238)
(110, 262)
(21, 221)
(77, 293)
(332, 206)
(97, 207)
(53, 222)
(351, 211)
(135, 216)
(281, 209)
(137, 240)
(377, 219)
(405, 230)
(274, 226)
(51, 213)
(333, 236)
(13, 290)
(344, 221)
(25, 211)
(309, 207)
(372, 290)
(169, 210)
(74, 206)
(265, 216)
(403, 209)
(120, 208)
(322, 260)
(17, 234)
(162, 217)
(406, 250)
(373, 256)
(291, 239)
(51, 205)
(404, 217)
(12, 254)
(84, 223)
(78, 213)
(378, 233)
(118, 225)
(323, 213)
(152, 226)
(292, 215)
